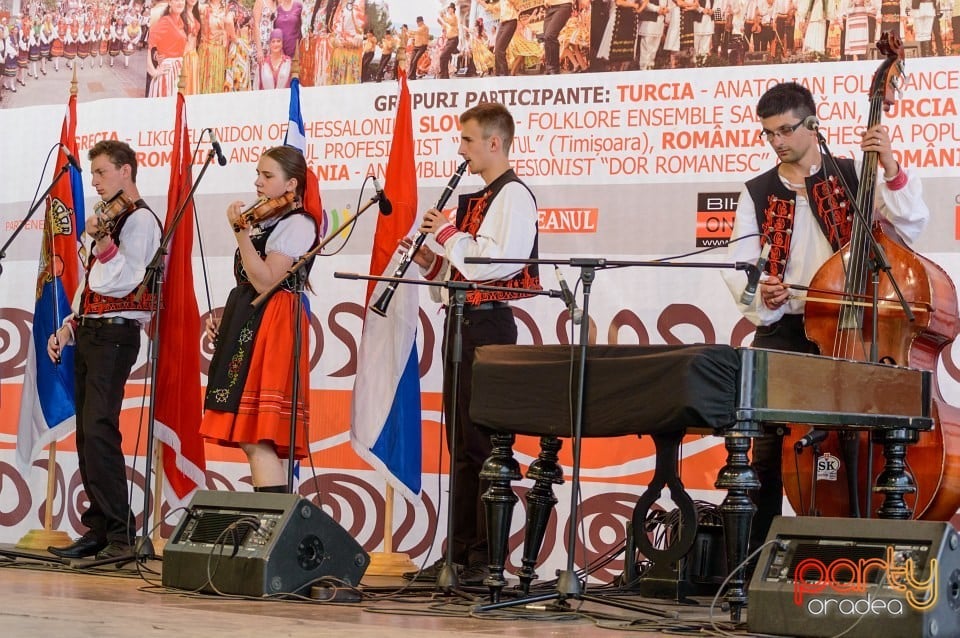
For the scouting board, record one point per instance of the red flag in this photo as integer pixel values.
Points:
(67, 192)
(400, 188)
(179, 406)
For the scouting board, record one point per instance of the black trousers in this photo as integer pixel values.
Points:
(446, 55)
(103, 360)
(384, 63)
(553, 22)
(767, 450)
(365, 60)
(482, 327)
(414, 60)
(504, 35)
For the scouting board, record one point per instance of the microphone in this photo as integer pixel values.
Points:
(70, 158)
(753, 277)
(221, 160)
(576, 315)
(812, 438)
(385, 206)
(811, 123)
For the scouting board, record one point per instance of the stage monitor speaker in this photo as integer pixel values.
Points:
(859, 578)
(256, 544)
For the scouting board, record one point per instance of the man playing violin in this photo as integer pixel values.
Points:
(499, 221)
(104, 328)
(250, 395)
(803, 211)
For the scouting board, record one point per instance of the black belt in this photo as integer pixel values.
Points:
(486, 305)
(97, 322)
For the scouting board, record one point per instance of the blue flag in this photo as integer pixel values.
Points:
(47, 411)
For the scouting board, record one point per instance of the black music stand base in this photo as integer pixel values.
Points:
(447, 580)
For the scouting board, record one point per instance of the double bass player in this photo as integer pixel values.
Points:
(804, 213)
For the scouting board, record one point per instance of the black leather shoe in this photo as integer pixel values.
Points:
(113, 549)
(474, 574)
(83, 547)
(429, 574)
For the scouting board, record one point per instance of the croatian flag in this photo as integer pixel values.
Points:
(385, 426)
(47, 411)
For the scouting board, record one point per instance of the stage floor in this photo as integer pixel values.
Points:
(46, 599)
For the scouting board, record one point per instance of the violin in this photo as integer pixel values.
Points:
(109, 213)
(266, 208)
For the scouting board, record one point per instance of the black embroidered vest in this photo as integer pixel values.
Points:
(471, 211)
(775, 204)
(259, 241)
(94, 303)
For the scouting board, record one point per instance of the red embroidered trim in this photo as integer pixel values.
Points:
(434, 268)
(446, 231)
(523, 279)
(778, 229)
(897, 182)
(106, 255)
(829, 202)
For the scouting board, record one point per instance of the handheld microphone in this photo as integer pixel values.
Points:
(811, 123)
(753, 277)
(70, 158)
(576, 315)
(221, 160)
(385, 206)
(812, 438)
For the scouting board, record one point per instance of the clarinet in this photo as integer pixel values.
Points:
(380, 305)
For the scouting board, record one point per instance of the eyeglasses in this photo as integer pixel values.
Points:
(784, 131)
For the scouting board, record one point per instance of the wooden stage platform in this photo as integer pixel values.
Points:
(42, 598)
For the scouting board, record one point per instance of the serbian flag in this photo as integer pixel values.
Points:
(179, 407)
(385, 428)
(47, 411)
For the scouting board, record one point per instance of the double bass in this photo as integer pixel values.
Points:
(839, 318)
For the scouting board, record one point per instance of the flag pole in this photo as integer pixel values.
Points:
(43, 538)
(389, 562)
(46, 537)
(159, 542)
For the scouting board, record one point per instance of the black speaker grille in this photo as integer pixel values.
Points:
(210, 526)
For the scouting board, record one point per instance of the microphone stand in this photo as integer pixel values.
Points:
(23, 222)
(879, 262)
(568, 584)
(143, 548)
(296, 270)
(447, 580)
(815, 451)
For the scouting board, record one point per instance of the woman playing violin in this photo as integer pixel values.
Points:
(250, 388)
